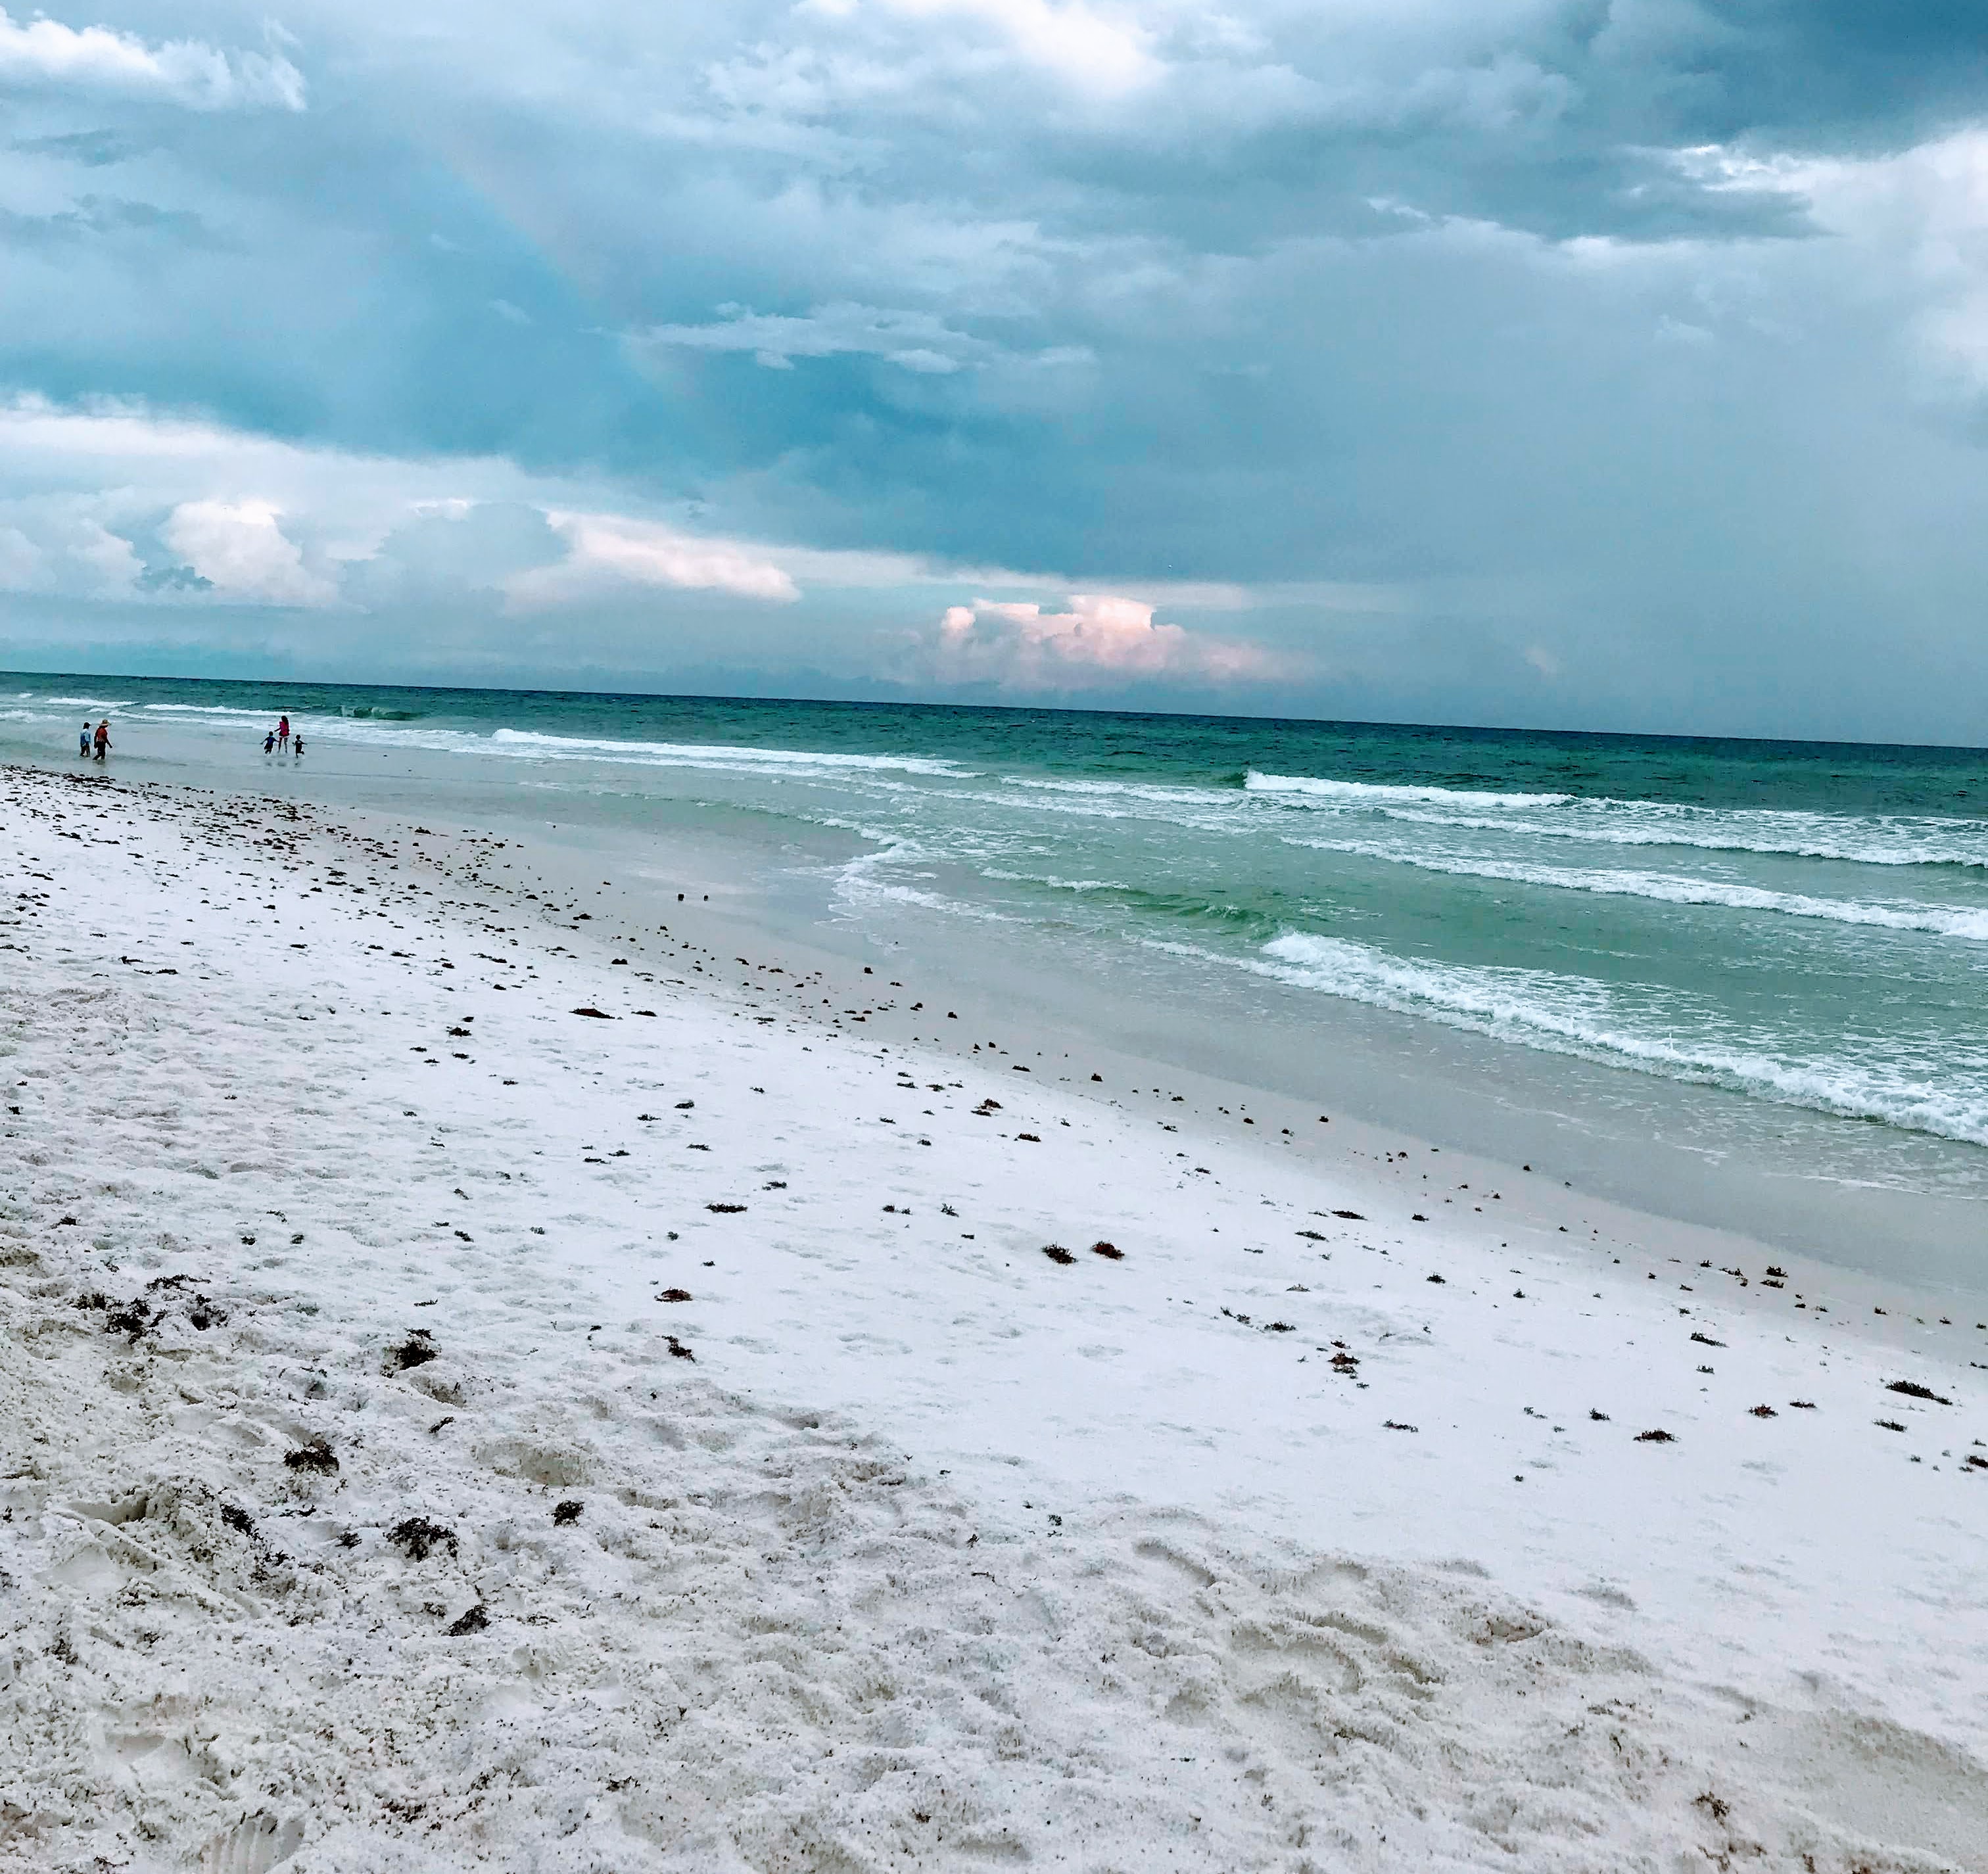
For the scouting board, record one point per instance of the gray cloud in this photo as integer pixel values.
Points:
(98, 149)
(1637, 352)
(94, 216)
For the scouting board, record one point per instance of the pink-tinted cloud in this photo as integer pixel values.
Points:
(1102, 639)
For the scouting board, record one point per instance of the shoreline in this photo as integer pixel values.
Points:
(1285, 1384)
(1407, 1078)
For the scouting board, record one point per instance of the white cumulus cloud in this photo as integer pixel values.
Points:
(1101, 638)
(611, 552)
(238, 546)
(58, 543)
(41, 52)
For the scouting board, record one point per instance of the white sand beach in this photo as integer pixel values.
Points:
(485, 1387)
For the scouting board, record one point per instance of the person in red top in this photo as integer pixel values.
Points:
(283, 735)
(103, 739)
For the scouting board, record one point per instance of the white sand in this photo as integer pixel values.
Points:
(937, 1552)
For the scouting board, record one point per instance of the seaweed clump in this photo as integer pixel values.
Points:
(418, 1536)
(416, 1350)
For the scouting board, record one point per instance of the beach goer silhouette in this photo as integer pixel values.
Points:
(83, 740)
(297, 747)
(103, 738)
(269, 743)
(283, 733)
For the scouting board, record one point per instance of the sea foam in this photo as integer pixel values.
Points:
(582, 747)
(1669, 889)
(1572, 1014)
(1855, 838)
(1366, 793)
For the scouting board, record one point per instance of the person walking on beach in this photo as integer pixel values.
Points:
(83, 740)
(283, 735)
(103, 738)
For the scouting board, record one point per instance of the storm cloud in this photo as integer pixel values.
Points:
(1620, 364)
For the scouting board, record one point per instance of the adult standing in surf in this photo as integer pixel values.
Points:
(103, 738)
(282, 734)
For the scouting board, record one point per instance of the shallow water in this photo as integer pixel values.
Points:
(1758, 955)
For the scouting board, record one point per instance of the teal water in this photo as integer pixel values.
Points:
(1803, 926)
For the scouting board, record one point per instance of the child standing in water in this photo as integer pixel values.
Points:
(297, 747)
(83, 740)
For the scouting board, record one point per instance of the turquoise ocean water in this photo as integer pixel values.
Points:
(1800, 927)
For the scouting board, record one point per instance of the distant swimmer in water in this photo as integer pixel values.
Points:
(269, 743)
(83, 740)
(283, 733)
(103, 738)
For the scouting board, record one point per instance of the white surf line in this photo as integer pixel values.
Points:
(1665, 888)
(764, 1627)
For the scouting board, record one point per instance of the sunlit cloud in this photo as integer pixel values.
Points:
(610, 551)
(1105, 49)
(43, 53)
(1101, 638)
(241, 551)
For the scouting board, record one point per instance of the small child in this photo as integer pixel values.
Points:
(297, 746)
(82, 742)
(269, 743)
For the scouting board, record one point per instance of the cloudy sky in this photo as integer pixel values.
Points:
(1586, 363)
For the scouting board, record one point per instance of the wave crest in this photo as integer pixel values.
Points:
(691, 754)
(1377, 793)
(1663, 888)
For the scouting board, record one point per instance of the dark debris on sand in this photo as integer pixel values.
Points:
(417, 1536)
(416, 1350)
(1913, 1390)
(131, 1320)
